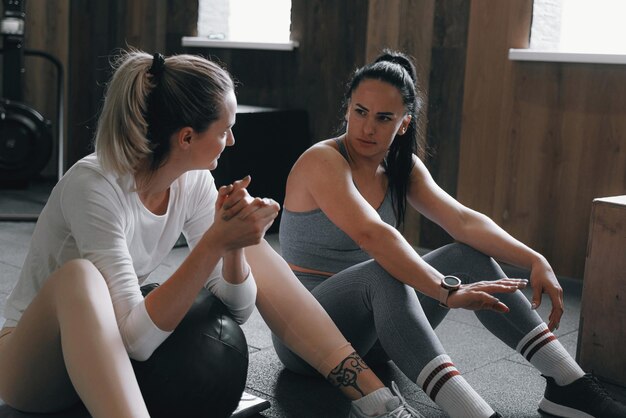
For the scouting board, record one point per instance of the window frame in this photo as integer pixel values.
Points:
(554, 54)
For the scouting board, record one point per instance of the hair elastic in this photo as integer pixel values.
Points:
(158, 65)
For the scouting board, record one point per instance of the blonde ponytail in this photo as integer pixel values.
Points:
(121, 141)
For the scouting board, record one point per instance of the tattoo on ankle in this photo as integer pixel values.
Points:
(346, 373)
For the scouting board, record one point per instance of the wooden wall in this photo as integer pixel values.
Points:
(539, 141)
(445, 105)
(99, 29)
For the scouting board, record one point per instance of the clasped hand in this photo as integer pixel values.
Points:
(243, 219)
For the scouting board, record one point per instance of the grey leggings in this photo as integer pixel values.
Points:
(370, 307)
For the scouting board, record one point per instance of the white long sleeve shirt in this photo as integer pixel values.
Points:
(98, 216)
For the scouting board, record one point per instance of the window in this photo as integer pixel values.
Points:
(245, 20)
(581, 26)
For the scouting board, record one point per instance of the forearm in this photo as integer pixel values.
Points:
(392, 251)
(483, 234)
(236, 286)
(235, 268)
(168, 304)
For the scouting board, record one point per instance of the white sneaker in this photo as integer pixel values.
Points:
(396, 408)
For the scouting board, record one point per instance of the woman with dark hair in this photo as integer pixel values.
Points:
(346, 196)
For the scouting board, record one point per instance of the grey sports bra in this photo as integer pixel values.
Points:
(310, 240)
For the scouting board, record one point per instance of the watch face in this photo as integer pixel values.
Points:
(451, 281)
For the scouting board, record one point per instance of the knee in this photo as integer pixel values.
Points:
(468, 253)
(77, 276)
(469, 261)
(456, 254)
(79, 267)
(381, 279)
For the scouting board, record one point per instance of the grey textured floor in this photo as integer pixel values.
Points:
(500, 375)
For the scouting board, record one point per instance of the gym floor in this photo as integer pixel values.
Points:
(498, 373)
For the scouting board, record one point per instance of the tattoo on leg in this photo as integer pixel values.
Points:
(346, 373)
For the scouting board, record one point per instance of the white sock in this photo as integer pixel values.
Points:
(374, 403)
(443, 383)
(541, 348)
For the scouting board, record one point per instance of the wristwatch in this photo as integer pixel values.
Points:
(449, 284)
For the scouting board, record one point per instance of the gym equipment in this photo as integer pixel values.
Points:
(25, 144)
(25, 136)
(200, 370)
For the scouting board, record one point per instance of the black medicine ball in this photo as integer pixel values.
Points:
(200, 370)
